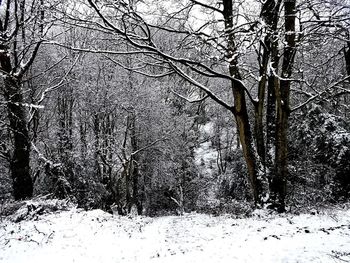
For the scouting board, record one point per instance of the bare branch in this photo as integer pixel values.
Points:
(148, 146)
(23, 69)
(320, 94)
(46, 70)
(202, 87)
(58, 85)
(138, 71)
(96, 51)
(188, 100)
(151, 47)
(207, 6)
(41, 156)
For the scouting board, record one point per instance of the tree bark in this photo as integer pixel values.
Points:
(270, 12)
(255, 169)
(347, 58)
(268, 15)
(135, 166)
(279, 181)
(19, 163)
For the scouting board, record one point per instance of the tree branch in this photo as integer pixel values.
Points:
(151, 47)
(319, 94)
(188, 100)
(207, 6)
(148, 146)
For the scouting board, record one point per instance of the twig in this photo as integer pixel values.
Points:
(189, 100)
(39, 231)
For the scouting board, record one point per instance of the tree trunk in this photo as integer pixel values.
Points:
(128, 186)
(19, 164)
(263, 60)
(84, 146)
(96, 144)
(254, 165)
(347, 58)
(271, 13)
(255, 168)
(135, 165)
(271, 125)
(65, 104)
(279, 180)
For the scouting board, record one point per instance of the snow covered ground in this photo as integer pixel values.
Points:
(95, 236)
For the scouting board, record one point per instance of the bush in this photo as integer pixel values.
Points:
(32, 209)
(320, 156)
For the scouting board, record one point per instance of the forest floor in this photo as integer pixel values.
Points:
(95, 236)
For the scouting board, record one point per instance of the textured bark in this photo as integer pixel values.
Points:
(19, 164)
(347, 59)
(240, 111)
(259, 108)
(269, 13)
(283, 109)
(272, 17)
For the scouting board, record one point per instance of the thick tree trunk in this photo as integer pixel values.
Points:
(255, 168)
(271, 12)
(19, 164)
(283, 109)
(254, 165)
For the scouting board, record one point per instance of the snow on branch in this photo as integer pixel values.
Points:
(29, 105)
(59, 84)
(41, 156)
(148, 146)
(146, 45)
(200, 86)
(26, 65)
(312, 98)
(138, 69)
(46, 70)
(100, 51)
(273, 71)
(190, 100)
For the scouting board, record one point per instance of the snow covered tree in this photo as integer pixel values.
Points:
(227, 30)
(258, 42)
(22, 28)
(319, 157)
(120, 60)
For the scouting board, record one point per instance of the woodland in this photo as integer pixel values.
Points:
(166, 107)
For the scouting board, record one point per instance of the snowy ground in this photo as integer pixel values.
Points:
(95, 236)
